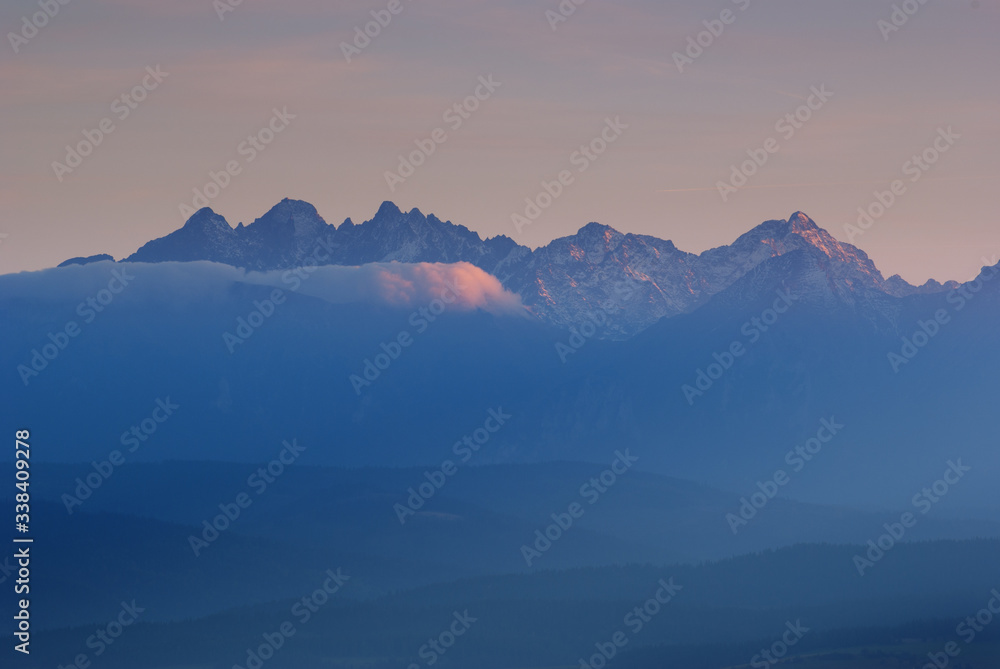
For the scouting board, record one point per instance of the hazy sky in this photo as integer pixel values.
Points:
(607, 60)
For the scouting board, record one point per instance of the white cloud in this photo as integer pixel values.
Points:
(402, 285)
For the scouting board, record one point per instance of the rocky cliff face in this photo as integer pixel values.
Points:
(623, 282)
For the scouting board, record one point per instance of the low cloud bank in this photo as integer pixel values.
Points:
(393, 284)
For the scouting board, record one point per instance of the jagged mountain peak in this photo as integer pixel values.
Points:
(799, 232)
(290, 205)
(413, 228)
(204, 236)
(389, 213)
(899, 287)
(391, 216)
(592, 236)
(388, 208)
(643, 278)
(206, 218)
(803, 226)
(596, 228)
(774, 231)
(300, 216)
(800, 222)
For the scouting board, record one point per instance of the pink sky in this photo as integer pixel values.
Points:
(609, 59)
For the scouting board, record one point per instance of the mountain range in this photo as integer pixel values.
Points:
(669, 391)
(785, 407)
(621, 282)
